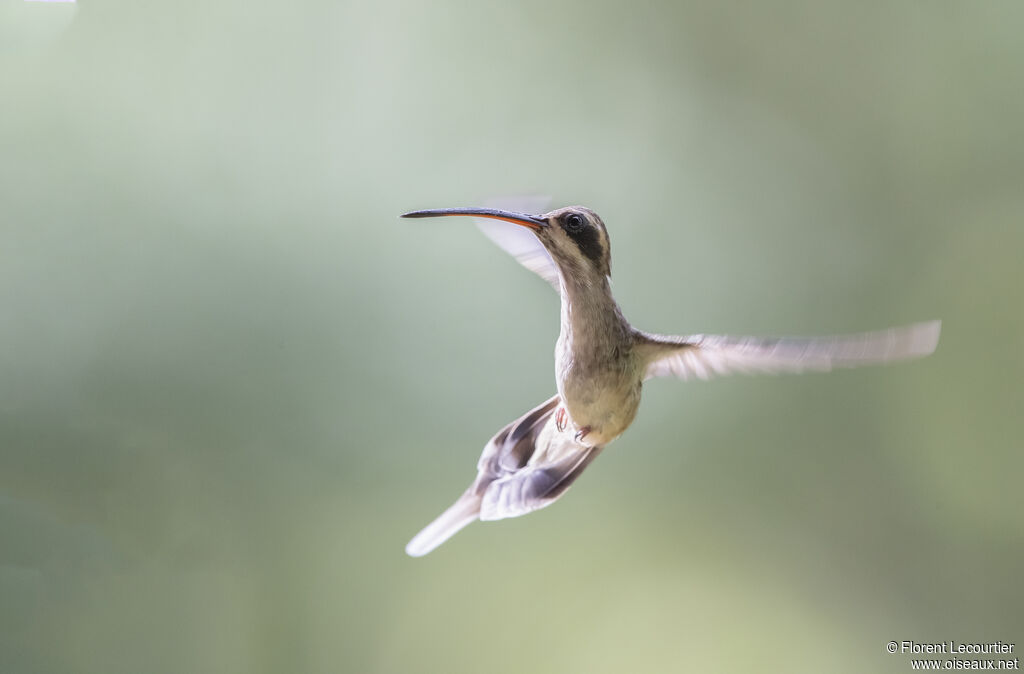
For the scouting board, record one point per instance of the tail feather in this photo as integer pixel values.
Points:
(447, 524)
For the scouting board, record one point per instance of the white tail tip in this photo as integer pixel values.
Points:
(447, 524)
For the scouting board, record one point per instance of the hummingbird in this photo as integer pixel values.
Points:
(601, 363)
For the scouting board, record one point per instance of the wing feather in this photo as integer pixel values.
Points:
(702, 356)
(520, 242)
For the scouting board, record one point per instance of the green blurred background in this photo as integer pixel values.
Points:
(233, 384)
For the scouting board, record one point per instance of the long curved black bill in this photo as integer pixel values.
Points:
(517, 218)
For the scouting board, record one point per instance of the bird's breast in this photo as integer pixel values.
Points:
(601, 397)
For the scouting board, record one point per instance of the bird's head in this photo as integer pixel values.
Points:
(575, 236)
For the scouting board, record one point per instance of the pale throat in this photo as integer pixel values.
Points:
(594, 361)
(592, 325)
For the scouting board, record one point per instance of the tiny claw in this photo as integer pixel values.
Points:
(561, 418)
(582, 433)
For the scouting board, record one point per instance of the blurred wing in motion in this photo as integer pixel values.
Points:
(704, 356)
(520, 242)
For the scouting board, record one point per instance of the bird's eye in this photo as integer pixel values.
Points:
(573, 223)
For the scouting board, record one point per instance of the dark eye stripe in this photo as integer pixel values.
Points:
(589, 242)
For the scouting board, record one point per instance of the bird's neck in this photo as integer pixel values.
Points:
(592, 323)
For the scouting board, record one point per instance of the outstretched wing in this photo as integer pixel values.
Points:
(520, 242)
(704, 356)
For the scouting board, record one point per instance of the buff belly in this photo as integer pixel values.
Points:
(602, 404)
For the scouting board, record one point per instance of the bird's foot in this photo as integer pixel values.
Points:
(562, 420)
